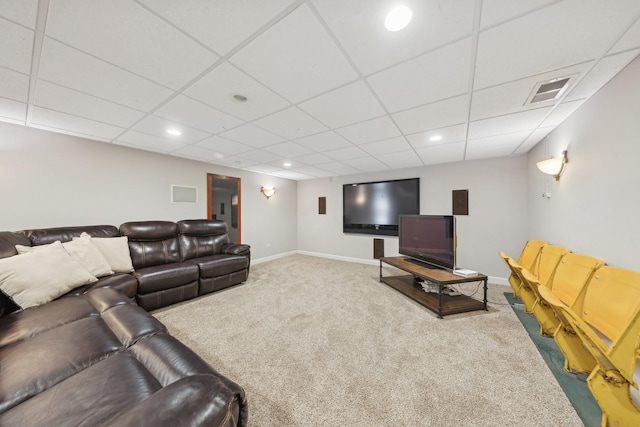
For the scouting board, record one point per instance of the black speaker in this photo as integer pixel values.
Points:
(460, 202)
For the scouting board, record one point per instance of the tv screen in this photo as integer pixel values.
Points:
(374, 207)
(429, 238)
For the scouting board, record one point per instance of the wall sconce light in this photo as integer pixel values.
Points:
(553, 166)
(268, 191)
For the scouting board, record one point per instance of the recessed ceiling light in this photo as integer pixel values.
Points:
(435, 138)
(174, 132)
(398, 18)
(239, 98)
(286, 164)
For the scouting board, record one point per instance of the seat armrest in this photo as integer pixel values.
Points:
(235, 249)
(198, 400)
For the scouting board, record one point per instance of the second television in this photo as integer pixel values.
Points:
(429, 238)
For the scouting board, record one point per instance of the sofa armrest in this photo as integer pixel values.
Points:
(197, 400)
(235, 249)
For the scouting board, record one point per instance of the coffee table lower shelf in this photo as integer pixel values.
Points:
(450, 304)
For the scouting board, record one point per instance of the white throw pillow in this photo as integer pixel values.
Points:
(83, 251)
(40, 276)
(115, 250)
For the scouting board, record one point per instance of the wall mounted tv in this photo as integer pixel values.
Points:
(374, 207)
(429, 238)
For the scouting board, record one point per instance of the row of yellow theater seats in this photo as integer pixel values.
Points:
(592, 310)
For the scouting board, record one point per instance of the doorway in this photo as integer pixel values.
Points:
(223, 203)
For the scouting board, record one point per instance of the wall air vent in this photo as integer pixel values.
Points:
(548, 90)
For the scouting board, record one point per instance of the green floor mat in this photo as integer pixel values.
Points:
(574, 386)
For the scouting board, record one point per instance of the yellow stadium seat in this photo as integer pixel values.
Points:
(542, 273)
(527, 259)
(571, 275)
(605, 318)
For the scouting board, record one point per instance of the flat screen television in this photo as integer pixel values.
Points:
(374, 207)
(429, 238)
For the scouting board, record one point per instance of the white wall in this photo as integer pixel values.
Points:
(595, 206)
(497, 217)
(54, 180)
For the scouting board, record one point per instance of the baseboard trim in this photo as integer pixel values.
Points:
(272, 257)
(340, 258)
(492, 279)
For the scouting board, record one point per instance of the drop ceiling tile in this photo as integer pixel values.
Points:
(498, 11)
(533, 140)
(314, 64)
(366, 164)
(401, 159)
(435, 76)
(16, 45)
(288, 149)
(324, 142)
(220, 25)
(14, 85)
(224, 146)
(64, 100)
(187, 111)
(252, 135)
(20, 11)
(526, 120)
(561, 113)
(291, 164)
(585, 28)
(432, 116)
(341, 154)
(386, 146)
(369, 131)
(600, 74)
(71, 68)
(443, 153)
(359, 26)
(448, 135)
(339, 168)
(495, 146)
(235, 162)
(630, 40)
(13, 110)
(349, 104)
(511, 97)
(291, 124)
(313, 171)
(79, 125)
(292, 175)
(125, 34)
(218, 87)
(154, 125)
(148, 142)
(264, 168)
(196, 153)
(260, 156)
(68, 131)
(314, 159)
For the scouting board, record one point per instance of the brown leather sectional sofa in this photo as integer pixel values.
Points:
(95, 357)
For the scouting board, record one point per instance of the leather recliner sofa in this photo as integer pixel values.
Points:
(94, 357)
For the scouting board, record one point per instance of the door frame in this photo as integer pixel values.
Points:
(210, 177)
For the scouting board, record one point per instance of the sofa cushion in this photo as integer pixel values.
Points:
(201, 237)
(116, 252)
(161, 277)
(125, 283)
(218, 265)
(83, 251)
(152, 242)
(39, 277)
(44, 236)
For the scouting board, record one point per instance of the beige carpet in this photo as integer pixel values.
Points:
(318, 342)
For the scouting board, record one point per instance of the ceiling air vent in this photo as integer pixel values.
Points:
(547, 91)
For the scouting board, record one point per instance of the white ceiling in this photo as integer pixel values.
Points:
(329, 89)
